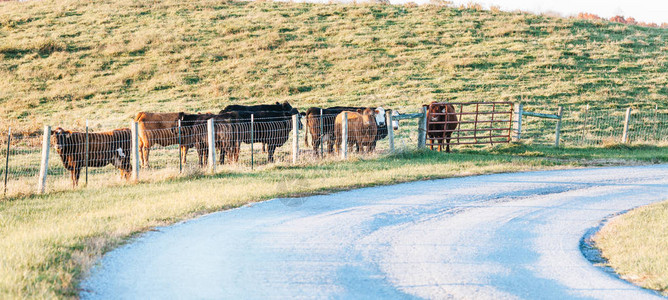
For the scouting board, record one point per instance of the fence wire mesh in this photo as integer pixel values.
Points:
(167, 149)
(596, 127)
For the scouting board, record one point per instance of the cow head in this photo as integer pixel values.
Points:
(433, 109)
(380, 116)
(62, 138)
(286, 106)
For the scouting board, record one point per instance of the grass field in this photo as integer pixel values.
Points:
(64, 61)
(49, 241)
(636, 246)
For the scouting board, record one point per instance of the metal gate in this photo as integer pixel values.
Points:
(475, 123)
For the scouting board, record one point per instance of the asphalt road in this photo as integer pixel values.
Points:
(504, 236)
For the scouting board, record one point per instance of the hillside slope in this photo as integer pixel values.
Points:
(64, 61)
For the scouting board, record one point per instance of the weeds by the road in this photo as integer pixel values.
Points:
(636, 246)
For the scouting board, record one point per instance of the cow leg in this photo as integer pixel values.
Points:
(75, 177)
(184, 153)
(201, 156)
(270, 152)
(145, 156)
(264, 148)
(447, 142)
(316, 144)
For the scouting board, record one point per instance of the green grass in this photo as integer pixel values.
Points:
(66, 61)
(636, 246)
(49, 241)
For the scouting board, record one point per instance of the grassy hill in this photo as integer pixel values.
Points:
(67, 60)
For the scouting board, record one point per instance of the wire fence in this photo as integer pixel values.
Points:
(596, 127)
(180, 145)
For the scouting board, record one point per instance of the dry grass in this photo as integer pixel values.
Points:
(636, 246)
(65, 61)
(49, 241)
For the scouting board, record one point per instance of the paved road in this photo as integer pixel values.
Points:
(505, 236)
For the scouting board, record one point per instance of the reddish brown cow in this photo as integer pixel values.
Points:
(442, 122)
(104, 148)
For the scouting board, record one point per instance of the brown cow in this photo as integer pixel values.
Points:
(109, 147)
(160, 129)
(446, 121)
(362, 129)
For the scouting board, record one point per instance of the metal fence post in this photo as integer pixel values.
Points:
(86, 154)
(390, 129)
(519, 107)
(625, 134)
(344, 136)
(134, 158)
(9, 139)
(295, 138)
(558, 129)
(44, 167)
(211, 139)
(252, 140)
(180, 154)
(422, 129)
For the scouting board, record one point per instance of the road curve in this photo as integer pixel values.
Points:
(503, 236)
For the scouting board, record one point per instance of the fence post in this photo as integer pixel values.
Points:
(180, 154)
(134, 157)
(322, 136)
(344, 136)
(422, 129)
(9, 139)
(557, 132)
(211, 139)
(86, 154)
(625, 134)
(390, 129)
(252, 140)
(44, 167)
(295, 138)
(519, 108)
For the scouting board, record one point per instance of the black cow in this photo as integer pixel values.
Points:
(194, 134)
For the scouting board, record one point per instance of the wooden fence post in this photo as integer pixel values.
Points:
(422, 129)
(344, 136)
(211, 139)
(295, 138)
(134, 157)
(44, 167)
(625, 134)
(557, 132)
(390, 129)
(519, 108)
(9, 140)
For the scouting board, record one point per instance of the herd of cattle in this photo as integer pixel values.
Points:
(271, 126)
